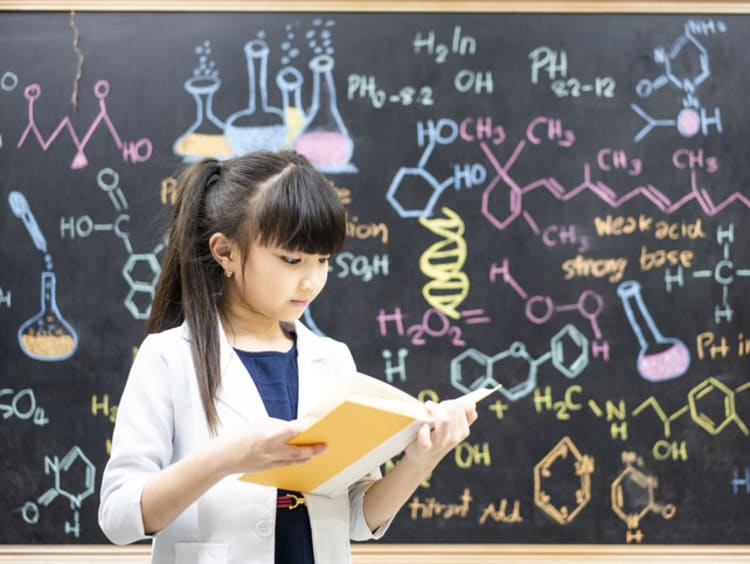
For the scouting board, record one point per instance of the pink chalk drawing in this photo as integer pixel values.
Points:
(566, 138)
(136, 152)
(539, 309)
(660, 358)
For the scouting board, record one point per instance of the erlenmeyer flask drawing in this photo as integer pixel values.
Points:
(205, 137)
(47, 336)
(259, 126)
(660, 358)
(324, 138)
(290, 80)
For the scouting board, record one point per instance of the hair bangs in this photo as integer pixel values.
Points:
(301, 212)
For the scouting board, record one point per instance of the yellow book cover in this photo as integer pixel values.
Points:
(365, 423)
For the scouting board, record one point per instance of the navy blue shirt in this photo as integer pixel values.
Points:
(277, 378)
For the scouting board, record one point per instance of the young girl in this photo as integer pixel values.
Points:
(215, 388)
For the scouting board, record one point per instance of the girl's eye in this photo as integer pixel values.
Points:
(324, 260)
(290, 260)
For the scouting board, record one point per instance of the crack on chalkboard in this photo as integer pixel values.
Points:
(79, 54)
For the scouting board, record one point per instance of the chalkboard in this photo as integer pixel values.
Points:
(558, 203)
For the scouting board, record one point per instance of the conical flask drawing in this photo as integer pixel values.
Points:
(259, 126)
(324, 138)
(289, 81)
(47, 336)
(205, 137)
(660, 358)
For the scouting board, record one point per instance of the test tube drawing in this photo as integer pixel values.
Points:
(290, 80)
(47, 335)
(259, 126)
(660, 358)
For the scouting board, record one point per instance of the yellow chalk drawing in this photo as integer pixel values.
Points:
(442, 263)
(697, 395)
(583, 466)
(632, 497)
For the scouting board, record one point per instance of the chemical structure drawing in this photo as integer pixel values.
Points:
(589, 306)
(686, 67)
(46, 336)
(422, 197)
(710, 404)
(141, 270)
(723, 273)
(698, 407)
(544, 477)
(73, 478)
(319, 132)
(472, 369)
(136, 152)
(660, 358)
(502, 214)
(415, 191)
(633, 497)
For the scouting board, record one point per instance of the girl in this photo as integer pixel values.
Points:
(216, 385)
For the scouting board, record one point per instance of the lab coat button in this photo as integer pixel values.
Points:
(263, 528)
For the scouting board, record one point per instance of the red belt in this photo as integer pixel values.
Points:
(289, 501)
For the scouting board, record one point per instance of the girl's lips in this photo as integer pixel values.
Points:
(300, 303)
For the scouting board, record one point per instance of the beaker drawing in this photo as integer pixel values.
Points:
(259, 126)
(324, 138)
(660, 358)
(205, 137)
(289, 81)
(47, 336)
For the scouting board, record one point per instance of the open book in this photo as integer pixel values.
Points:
(364, 422)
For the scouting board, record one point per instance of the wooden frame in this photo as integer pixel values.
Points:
(403, 553)
(420, 554)
(602, 6)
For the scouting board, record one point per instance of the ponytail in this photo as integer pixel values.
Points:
(190, 282)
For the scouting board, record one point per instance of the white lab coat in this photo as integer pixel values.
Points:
(160, 420)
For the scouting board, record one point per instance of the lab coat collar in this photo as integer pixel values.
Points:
(237, 390)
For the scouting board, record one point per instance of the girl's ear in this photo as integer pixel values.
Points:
(224, 252)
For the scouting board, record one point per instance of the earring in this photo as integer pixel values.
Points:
(228, 273)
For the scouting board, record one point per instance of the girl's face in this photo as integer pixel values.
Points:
(279, 284)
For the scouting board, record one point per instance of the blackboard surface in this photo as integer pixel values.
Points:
(558, 203)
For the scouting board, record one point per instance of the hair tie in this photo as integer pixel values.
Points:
(214, 176)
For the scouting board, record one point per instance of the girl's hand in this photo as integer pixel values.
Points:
(262, 445)
(452, 419)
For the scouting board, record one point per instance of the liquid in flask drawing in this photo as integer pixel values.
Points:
(660, 358)
(259, 126)
(205, 137)
(289, 81)
(47, 336)
(324, 138)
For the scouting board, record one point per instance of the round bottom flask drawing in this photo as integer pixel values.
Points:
(47, 336)
(660, 358)
(259, 126)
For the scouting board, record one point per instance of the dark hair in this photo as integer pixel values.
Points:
(276, 199)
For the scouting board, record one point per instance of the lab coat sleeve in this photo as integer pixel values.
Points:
(141, 443)
(358, 528)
